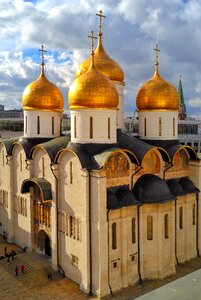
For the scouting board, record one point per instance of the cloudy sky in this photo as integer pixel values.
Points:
(131, 30)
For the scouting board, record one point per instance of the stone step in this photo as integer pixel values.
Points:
(32, 277)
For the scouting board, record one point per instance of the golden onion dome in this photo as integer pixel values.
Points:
(93, 90)
(103, 63)
(157, 93)
(41, 94)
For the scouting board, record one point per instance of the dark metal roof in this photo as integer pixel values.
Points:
(119, 197)
(175, 187)
(42, 183)
(150, 188)
(87, 161)
(162, 143)
(174, 149)
(53, 146)
(8, 143)
(136, 146)
(188, 185)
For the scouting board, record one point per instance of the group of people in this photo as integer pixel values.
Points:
(8, 255)
(22, 268)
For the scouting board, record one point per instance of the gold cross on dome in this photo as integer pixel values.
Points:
(157, 50)
(42, 50)
(92, 37)
(101, 16)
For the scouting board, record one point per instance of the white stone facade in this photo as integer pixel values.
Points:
(158, 125)
(93, 126)
(42, 124)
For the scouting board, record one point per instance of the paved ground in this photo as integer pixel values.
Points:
(65, 289)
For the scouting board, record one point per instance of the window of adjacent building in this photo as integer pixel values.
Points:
(20, 162)
(133, 231)
(43, 167)
(38, 125)
(75, 127)
(193, 214)
(91, 128)
(3, 159)
(52, 125)
(26, 124)
(71, 226)
(114, 236)
(149, 228)
(108, 128)
(145, 126)
(166, 226)
(71, 172)
(173, 126)
(160, 126)
(181, 217)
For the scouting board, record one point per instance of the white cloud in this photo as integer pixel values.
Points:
(196, 102)
(131, 30)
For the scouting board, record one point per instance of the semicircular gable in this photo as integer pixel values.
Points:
(14, 145)
(151, 162)
(64, 151)
(115, 163)
(175, 148)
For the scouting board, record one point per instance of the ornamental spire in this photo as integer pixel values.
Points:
(42, 50)
(182, 106)
(156, 62)
(92, 37)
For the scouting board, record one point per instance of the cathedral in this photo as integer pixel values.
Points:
(109, 209)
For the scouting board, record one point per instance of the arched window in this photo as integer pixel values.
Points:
(173, 126)
(71, 226)
(20, 162)
(193, 214)
(71, 172)
(91, 128)
(160, 126)
(38, 125)
(166, 226)
(181, 217)
(75, 127)
(108, 128)
(145, 126)
(3, 159)
(133, 231)
(52, 125)
(149, 228)
(114, 236)
(26, 124)
(43, 167)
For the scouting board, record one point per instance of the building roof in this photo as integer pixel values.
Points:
(43, 185)
(152, 189)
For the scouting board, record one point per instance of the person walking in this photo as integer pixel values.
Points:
(5, 251)
(22, 268)
(16, 271)
(12, 254)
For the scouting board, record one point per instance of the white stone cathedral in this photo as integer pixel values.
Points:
(109, 209)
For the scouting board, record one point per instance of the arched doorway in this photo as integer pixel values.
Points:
(43, 243)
